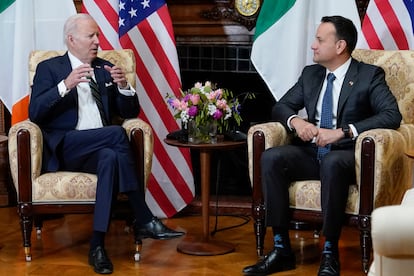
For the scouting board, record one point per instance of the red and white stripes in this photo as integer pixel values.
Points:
(388, 25)
(170, 186)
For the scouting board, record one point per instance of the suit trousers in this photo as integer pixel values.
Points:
(105, 152)
(284, 164)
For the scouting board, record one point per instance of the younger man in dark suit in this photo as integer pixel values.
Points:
(359, 100)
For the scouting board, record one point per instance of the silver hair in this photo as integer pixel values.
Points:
(71, 25)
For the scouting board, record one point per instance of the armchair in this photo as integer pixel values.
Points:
(383, 170)
(392, 238)
(66, 192)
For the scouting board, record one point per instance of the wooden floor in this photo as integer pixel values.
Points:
(62, 249)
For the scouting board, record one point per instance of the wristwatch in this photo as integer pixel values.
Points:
(347, 131)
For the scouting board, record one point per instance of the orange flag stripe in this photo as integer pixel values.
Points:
(20, 110)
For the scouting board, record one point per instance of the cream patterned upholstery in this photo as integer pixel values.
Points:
(390, 168)
(393, 239)
(66, 192)
(122, 58)
(59, 187)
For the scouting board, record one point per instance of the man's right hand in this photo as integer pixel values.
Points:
(305, 130)
(78, 75)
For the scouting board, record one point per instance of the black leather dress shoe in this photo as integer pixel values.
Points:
(273, 262)
(155, 229)
(329, 266)
(100, 261)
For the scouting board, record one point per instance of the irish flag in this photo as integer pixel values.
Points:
(27, 25)
(284, 33)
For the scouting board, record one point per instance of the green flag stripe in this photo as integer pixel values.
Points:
(4, 4)
(271, 11)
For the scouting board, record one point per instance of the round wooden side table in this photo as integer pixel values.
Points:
(204, 246)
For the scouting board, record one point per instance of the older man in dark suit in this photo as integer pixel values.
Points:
(74, 98)
(342, 98)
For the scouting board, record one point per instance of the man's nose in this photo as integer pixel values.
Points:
(96, 39)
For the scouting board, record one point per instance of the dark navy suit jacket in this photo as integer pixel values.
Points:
(56, 115)
(365, 99)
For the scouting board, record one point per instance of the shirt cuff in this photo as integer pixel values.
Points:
(128, 91)
(289, 120)
(354, 131)
(63, 90)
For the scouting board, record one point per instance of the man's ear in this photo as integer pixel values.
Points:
(341, 46)
(70, 39)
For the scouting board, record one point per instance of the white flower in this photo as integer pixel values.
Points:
(212, 109)
(184, 116)
(228, 113)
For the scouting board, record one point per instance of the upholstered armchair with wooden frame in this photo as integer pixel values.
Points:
(383, 171)
(66, 192)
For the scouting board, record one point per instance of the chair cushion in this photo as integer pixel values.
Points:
(306, 195)
(59, 187)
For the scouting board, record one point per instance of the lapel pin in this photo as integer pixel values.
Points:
(351, 83)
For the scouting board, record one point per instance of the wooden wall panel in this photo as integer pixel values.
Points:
(213, 21)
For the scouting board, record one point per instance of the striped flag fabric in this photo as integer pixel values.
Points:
(27, 25)
(146, 28)
(388, 25)
(284, 33)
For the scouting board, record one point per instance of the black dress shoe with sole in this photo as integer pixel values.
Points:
(329, 266)
(155, 229)
(273, 262)
(100, 261)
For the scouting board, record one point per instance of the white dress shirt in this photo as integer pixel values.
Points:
(339, 73)
(88, 112)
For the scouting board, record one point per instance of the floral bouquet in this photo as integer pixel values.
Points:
(205, 105)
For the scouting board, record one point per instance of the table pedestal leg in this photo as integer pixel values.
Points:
(204, 246)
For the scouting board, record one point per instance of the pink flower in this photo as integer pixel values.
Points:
(219, 93)
(175, 103)
(183, 105)
(198, 85)
(222, 104)
(195, 98)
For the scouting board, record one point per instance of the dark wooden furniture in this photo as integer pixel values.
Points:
(4, 171)
(204, 246)
(29, 209)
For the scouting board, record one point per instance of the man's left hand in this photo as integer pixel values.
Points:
(118, 74)
(328, 136)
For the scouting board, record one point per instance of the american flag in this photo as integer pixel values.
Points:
(145, 26)
(388, 25)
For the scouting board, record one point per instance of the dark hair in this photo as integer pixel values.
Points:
(345, 29)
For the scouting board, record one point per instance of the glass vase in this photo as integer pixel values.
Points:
(205, 133)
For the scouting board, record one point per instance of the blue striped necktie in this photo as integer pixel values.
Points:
(326, 120)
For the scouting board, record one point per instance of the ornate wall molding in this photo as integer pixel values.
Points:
(226, 10)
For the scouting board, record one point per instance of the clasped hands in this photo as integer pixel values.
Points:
(320, 136)
(84, 71)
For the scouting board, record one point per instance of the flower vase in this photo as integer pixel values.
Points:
(202, 134)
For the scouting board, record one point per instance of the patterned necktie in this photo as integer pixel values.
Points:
(97, 97)
(326, 113)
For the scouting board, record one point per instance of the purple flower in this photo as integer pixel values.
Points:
(236, 108)
(192, 111)
(186, 97)
(217, 115)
